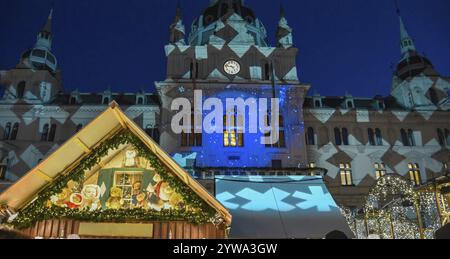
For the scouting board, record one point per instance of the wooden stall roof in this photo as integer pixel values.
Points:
(65, 158)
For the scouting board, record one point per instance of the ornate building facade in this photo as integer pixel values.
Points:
(226, 55)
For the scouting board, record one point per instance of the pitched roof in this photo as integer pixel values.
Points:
(66, 157)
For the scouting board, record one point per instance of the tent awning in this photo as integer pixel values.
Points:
(280, 207)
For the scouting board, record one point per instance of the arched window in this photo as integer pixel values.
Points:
(51, 135)
(15, 131)
(404, 137)
(337, 137)
(233, 135)
(106, 100)
(350, 105)
(345, 137)
(411, 139)
(79, 127)
(371, 135)
(21, 89)
(379, 137)
(414, 174)
(441, 137)
(7, 131)
(317, 104)
(191, 139)
(73, 100)
(191, 70)
(44, 135)
(310, 138)
(140, 101)
(3, 169)
(266, 71)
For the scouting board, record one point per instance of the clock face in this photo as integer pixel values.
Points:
(232, 67)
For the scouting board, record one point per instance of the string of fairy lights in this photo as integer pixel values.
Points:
(395, 210)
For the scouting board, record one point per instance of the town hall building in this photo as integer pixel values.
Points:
(350, 141)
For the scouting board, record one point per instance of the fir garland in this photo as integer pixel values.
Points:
(38, 210)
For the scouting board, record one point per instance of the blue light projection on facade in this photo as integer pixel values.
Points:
(252, 154)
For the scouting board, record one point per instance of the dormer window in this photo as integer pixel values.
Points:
(380, 105)
(317, 104)
(350, 104)
(140, 100)
(106, 100)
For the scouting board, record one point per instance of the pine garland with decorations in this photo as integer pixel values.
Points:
(200, 212)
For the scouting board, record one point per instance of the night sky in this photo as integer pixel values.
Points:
(345, 45)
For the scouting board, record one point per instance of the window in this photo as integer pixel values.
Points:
(317, 104)
(267, 71)
(310, 137)
(79, 128)
(345, 136)
(21, 90)
(408, 139)
(441, 137)
(371, 135)
(51, 135)
(106, 100)
(312, 165)
(7, 131)
(140, 101)
(380, 170)
(190, 139)
(281, 134)
(379, 137)
(3, 172)
(15, 131)
(414, 174)
(131, 185)
(191, 69)
(346, 174)
(233, 135)
(412, 141)
(337, 137)
(350, 105)
(44, 135)
(73, 100)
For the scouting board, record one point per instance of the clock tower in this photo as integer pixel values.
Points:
(226, 55)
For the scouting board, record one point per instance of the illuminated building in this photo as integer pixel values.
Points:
(356, 140)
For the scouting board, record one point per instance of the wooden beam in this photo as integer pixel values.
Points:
(43, 175)
(81, 144)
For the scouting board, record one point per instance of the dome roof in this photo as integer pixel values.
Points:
(220, 8)
(40, 59)
(413, 65)
(231, 12)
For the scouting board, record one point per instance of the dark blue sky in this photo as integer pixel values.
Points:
(345, 45)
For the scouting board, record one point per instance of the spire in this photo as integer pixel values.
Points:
(44, 38)
(284, 31)
(48, 24)
(282, 12)
(177, 29)
(406, 42)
